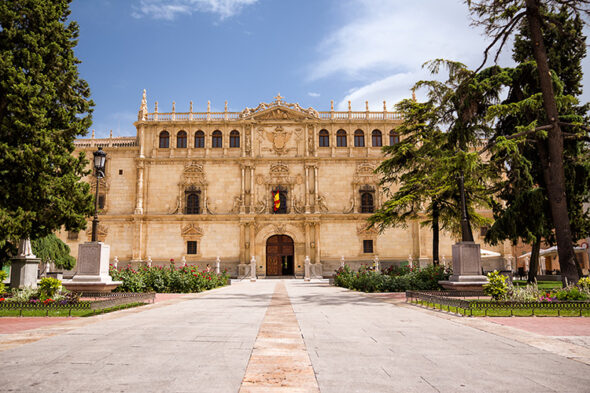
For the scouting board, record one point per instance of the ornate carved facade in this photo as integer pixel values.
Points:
(198, 185)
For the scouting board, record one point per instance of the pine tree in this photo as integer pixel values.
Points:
(44, 106)
(538, 108)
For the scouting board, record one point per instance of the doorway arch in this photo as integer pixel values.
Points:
(279, 256)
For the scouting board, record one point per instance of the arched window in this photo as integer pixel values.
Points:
(359, 138)
(192, 203)
(367, 202)
(393, 138)
(341, 138)
(324, 138)
(234, 139)
(164, 140)
(216, 140)
(181, 140)
(200, 139)
(377, 140)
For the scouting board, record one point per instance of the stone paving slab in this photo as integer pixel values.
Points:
(360, 343)
(279, 361)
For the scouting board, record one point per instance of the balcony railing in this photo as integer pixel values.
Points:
(235, 116)
(125, 141)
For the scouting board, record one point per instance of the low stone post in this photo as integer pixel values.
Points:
(183, 260)
(376, 263)
(307, 272)
(23, 269)
(342, 262)
(149, 261)
(217, 264)
(253, 269)
(116, 262)
(410, 261)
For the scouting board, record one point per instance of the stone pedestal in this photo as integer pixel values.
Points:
(23, 272)
(466, 268)
(92, 269)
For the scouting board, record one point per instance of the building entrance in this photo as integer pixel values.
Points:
(279, 256)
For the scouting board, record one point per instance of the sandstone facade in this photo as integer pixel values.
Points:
(195, 186)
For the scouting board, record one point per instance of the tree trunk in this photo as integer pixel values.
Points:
(534, 262)
(435, 233)
(553, 173)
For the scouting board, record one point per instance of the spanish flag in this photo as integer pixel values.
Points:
(277, 201)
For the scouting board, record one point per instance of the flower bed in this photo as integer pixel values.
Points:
(170, 279)
(393, 279)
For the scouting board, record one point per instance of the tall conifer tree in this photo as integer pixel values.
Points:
(44, 106)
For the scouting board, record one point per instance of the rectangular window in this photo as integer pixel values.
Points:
(483, 231)
(368, 246)
(101, 200)
(120, 171)
(191, 247)
(72, 235)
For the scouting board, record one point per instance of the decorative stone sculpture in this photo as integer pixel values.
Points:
(217, 265)
(307, 269)
(253, 269)
(23, 271)
(376, 263)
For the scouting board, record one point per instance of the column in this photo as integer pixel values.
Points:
(243, 247)
(307, 210)
(141, 141)
(317, 242)
(316, 187)
(306, 228)
(251, 241)
(242, 197)
(252, 195)
(139, 190)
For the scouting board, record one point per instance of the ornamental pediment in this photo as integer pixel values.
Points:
(192, 230)
(279, 110)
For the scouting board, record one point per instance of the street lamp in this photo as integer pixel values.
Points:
(99, 159)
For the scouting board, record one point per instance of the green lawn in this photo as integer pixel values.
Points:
(64, 313)
(541, 284)
(506, 312)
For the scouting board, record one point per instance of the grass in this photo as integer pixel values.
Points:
(505, 312)
(540, 284)
(64, 313)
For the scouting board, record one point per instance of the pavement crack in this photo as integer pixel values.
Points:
(431, 385)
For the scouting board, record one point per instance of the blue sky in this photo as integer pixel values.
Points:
(246, 51)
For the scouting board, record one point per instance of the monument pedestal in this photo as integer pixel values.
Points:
(92, 269)
(23, 272)
(466, 268)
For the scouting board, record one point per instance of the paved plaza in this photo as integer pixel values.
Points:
(293, 336)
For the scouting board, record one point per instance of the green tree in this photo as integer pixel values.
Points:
(44, 106)
(50, 249)
(439, 141)
(524, 211)
(500, 19)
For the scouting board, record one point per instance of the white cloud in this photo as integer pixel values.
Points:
(169, 9)
(312, 94)
(384, 44)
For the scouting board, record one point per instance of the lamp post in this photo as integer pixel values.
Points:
(99, 160)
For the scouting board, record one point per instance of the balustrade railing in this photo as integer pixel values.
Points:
(216, 116)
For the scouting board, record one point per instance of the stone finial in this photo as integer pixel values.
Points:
(331, 105)
(116, 262)
(92, 134)
(143, 107)
(376, 263)
(156, 107)
(349, 106)
(217, 265)
(384, 106)
(342, 261)
(173, 106)
(111, 134)
(183, 260)
(410, 261)
(367, 106)
(149, 261)
(191, 108)
(444, 261)
(279, 98)
(208, 106)
(225, 106)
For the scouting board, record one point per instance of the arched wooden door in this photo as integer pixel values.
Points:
(279, 256)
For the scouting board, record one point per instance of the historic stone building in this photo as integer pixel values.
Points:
(194, 186)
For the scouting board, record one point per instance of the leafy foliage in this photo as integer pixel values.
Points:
(166, 279)
(3, 276)
(51, 249)
(496, 287)
(368, 280)
(44, 106)
(48, 287)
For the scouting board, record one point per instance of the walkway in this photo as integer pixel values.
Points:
(288, 336)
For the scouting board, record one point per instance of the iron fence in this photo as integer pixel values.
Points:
(93, 301)
(459, 300)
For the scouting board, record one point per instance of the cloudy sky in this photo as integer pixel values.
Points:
(246, 51)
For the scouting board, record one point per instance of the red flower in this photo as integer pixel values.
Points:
(2, 299)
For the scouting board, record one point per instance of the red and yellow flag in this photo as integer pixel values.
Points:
(277, 201)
